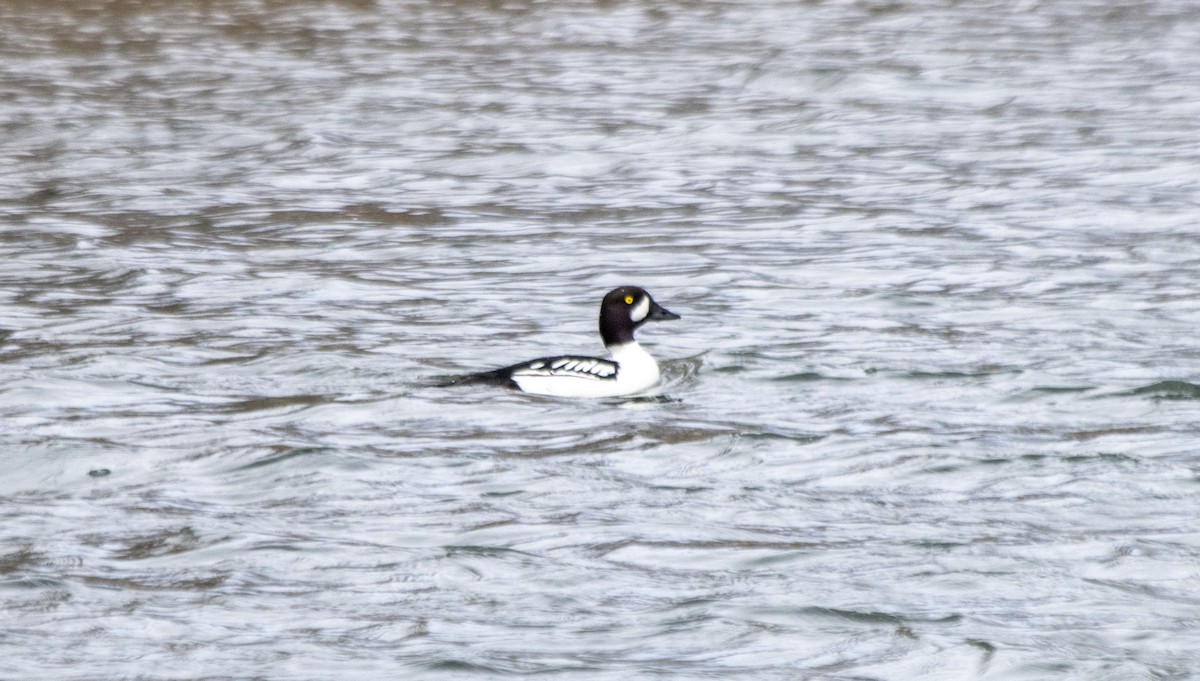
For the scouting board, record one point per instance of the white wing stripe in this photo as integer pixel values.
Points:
(567, 367)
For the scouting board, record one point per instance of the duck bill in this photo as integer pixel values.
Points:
(658, 313)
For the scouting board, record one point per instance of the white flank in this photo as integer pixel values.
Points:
(638, 371)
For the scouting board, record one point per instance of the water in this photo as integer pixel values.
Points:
(930, 411)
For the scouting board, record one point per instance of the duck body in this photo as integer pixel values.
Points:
(631, 370)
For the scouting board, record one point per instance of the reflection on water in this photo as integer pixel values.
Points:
(930, 410)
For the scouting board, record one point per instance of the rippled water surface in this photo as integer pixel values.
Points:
(931, 411)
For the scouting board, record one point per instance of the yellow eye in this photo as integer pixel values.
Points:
(629, 300)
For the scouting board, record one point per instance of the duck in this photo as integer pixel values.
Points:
(631, 370)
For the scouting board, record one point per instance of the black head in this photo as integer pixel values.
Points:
(624, 310)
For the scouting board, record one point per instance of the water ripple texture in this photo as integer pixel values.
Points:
(930, 413)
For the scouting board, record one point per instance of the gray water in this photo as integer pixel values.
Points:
(930, 412)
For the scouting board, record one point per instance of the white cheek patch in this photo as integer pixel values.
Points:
(639, 311)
